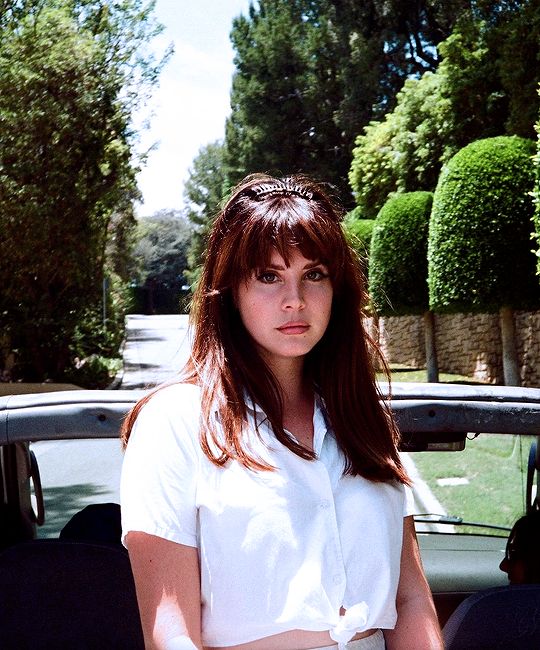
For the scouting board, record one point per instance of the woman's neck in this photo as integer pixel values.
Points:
(297, 399)
(290, 377)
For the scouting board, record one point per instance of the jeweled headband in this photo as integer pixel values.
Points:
(284, 187)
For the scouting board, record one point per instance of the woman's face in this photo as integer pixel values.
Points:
(286, 309)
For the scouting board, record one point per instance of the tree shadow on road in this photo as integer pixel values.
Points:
(61, 503)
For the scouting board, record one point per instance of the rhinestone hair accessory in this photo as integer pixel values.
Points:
(285, 187)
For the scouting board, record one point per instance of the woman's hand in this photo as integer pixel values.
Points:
(167, 581)
(417, 625)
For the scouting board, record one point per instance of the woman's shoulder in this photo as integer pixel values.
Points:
(177, 393)
(170, 414)
(176, 402)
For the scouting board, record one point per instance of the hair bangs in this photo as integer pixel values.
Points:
(284, 224)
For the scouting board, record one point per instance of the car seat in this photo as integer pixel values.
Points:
(97, 522)
(500, 617)
(67, 594)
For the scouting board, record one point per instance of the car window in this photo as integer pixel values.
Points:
(74, 474)
(483, 484)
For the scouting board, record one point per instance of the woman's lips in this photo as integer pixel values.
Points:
(293, 328)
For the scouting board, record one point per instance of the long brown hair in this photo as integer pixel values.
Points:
(262, 215)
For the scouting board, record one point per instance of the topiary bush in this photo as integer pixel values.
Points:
(479, 252)
(358, 232)
(398, 257)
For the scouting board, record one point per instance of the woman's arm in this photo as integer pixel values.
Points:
(167, 581)
(417, 626)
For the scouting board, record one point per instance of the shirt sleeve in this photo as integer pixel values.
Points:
(408, 502)
(160, 470)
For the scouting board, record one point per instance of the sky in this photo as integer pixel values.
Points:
(188, 108)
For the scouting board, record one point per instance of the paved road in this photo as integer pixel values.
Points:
(156, 348)
(77, 473)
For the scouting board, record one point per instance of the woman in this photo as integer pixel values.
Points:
(264, 501)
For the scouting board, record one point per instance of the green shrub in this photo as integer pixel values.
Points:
(358, 232)
(479, 251)
(398, 258)
(372, 175)
(95, 356)
(94, 371)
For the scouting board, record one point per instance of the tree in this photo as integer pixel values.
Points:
(479, 251)
(161, 252)
(398, 264)
(471, 95)
(518, 69)
(71, 73)
(203, 193)
(310, 74)
(404, 152)
(268, 130)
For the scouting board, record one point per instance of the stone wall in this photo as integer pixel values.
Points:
(402, 340)
(528, 344)
(467, 344)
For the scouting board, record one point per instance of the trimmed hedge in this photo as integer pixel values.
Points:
(479, 250)
(358, 232)
(398, 258)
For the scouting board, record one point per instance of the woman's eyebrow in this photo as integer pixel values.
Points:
(313, 264)
(273, 267)
(279, 267)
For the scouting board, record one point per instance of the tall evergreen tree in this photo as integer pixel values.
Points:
(310, 74)
(268, 129)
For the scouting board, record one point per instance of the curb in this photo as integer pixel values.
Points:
(425, 501)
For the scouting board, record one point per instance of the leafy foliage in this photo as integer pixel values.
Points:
(480, 255)
(358, 232)
(405, 151)
(203, 193)
(71, 74)
(373, 176)
(161, 252)
(536, 195)
(398, 258)
(311, 74)
(473, 94)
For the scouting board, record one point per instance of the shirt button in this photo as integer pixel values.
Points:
(337, 580)
(324, 504)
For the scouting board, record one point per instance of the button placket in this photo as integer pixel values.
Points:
(327, 506)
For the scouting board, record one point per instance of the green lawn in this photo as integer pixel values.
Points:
(494, 466)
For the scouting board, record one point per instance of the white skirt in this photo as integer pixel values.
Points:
(372, 642)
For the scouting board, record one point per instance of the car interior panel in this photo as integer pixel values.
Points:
(79, 585)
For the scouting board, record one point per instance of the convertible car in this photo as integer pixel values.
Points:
(65, 579)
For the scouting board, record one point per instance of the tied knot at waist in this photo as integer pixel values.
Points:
(354, 620)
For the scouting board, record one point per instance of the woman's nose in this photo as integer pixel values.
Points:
(294, 296)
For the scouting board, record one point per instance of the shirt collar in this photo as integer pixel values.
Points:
(320, 419)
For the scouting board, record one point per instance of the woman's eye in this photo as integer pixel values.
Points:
(268, 277)
(316, 275)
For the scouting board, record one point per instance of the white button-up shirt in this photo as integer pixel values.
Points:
(279, 550)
